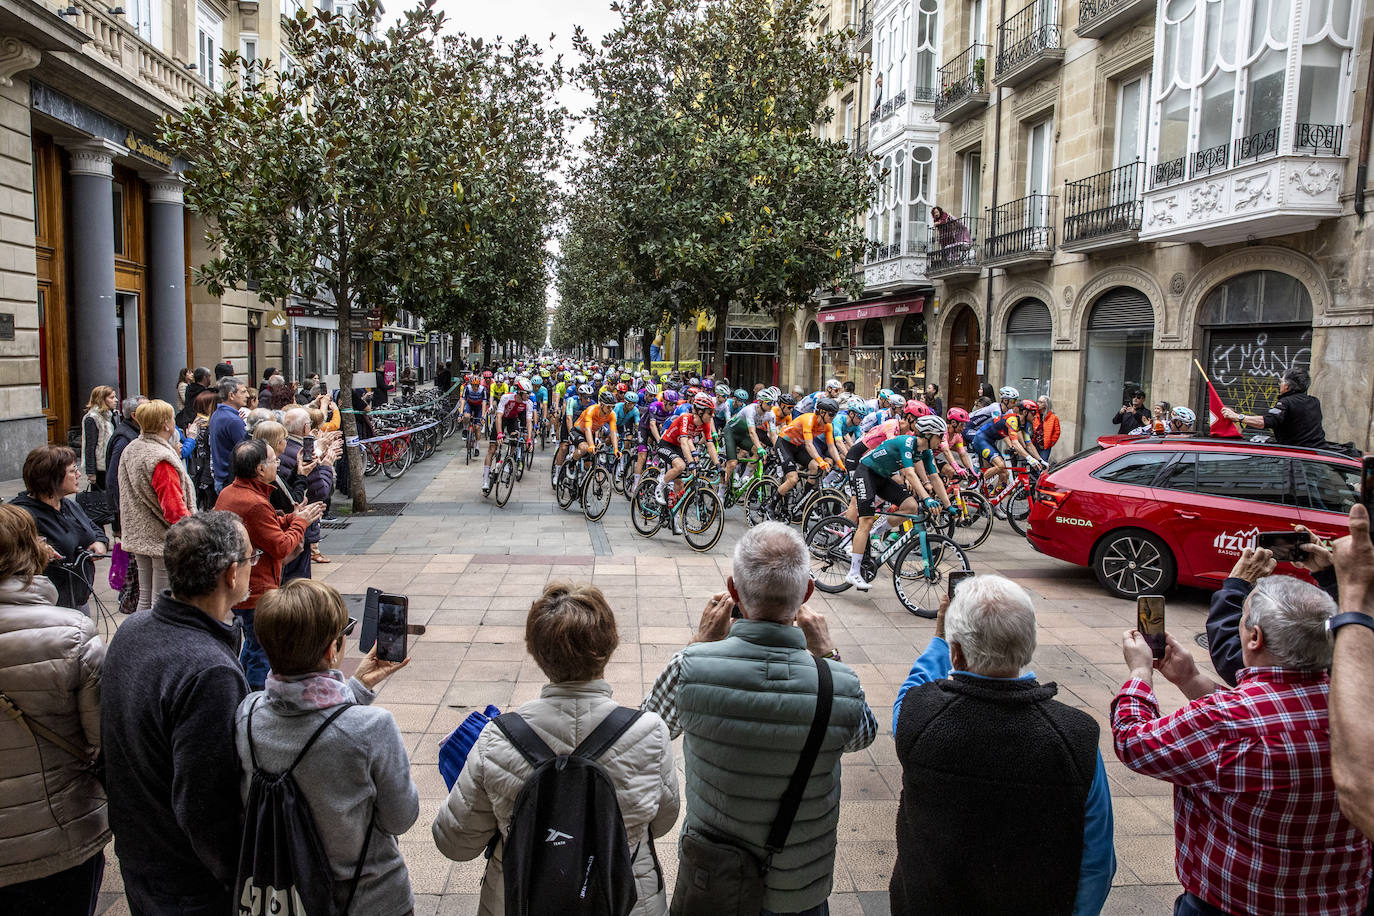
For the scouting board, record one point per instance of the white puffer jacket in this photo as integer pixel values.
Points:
(640, 766)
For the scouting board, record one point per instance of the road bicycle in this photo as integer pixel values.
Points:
(920, 560)
(1014, 498)
(973, 520)
(696, 506)
(392, 456)
(470, 446)
(586, 479)
(507, 467)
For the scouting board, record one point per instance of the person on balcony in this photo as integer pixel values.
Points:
(953, 236)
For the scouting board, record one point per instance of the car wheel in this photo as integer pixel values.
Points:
(1130, 563)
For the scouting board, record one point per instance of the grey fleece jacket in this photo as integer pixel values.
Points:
(359, 764)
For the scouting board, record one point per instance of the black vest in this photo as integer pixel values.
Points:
(995, 774)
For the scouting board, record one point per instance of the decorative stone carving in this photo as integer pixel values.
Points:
(167, 189)
(1260, 257)
(1205, 198)
(1250, 190)
(15, 57)
(1177, 283)
(1315, 179)
(1162, 213)
(94, 157)
(1068, 295)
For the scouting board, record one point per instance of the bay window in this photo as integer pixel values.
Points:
(901, 211)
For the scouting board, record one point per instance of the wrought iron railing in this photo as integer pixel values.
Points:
(962, 77)
(924, 94)
(1104, 204)
(1166, 173)
(953, 244)
(1319, 139)
(1260, 143)
(1026, 34)
(1091, 10)
(864, 26)
(1209, 160)
(1021, 226)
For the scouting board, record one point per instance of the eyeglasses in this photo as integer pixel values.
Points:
(252, 559)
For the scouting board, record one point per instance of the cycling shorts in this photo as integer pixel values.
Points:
(509, 426)
(985, 449)
(851, 457)
(669, 454)
(869, 484)
(736, 441)
(792, 457)
(474, 409)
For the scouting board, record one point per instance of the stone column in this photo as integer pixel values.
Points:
(95, 359)
(166, 285)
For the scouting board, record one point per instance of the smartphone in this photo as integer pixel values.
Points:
(308, 450)
(1284, 544)
(1367, 488)
(1149, 620)
(954, 578)
(393, 616)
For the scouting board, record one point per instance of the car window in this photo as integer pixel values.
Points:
(1331, 487)
(1258, 477)
(1181, 475)
(1139, 468)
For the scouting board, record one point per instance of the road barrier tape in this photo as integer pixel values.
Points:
(395, 435)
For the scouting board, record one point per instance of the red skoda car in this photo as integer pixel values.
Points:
(1152, 512)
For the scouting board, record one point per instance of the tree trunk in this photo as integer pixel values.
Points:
(620, 345)
(348, 420)
(719, 336)
(646, 340)
(486, 351)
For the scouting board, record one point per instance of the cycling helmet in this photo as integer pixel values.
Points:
(767, 396)
(1030, 405)
(827, 405)
(708, 384)
(692, 391)
(523, 385)
(1184, 415)
(581, 379)
(658, 410)
(607, 398)
(1008, 393)
(703, 401)
(631, 398)
(486, 374)
(833, 383)
(597, 376)
(741, 394)
(787, 400)
(626, 377)
(773, 392)
(694, 381)
(650, 390)
(584, 391)
(957, 415)
(643, 373)
(931, 426)
(500, 376)
(885, 394)
(536, 381)
(670, 397)
(916, 409)
(622, 388)
(896, 402)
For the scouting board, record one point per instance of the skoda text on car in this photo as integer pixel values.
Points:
(1148, 513)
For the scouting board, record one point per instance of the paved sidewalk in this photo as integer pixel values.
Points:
(472, 569)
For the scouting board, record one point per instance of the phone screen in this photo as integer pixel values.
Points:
(393, 612)
(957, 576)
(1367, 488)
(1284, 544)
(1149, 620)
(308, 449)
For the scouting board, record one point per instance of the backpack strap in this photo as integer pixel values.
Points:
(319, 731)
(524, 738)
(606, 733)
(791, 799)
(362, 857)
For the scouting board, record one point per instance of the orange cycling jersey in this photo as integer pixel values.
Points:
(597, 416)
(804, 428)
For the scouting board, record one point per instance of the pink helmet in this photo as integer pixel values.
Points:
(957, 415)
(917, 409)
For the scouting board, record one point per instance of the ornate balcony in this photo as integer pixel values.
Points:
(895, 265)
(863, 29)
(1021, 232)
(1030, 45)
(963, 85)
(1099, 18)
(952, 251)
(1271, 183)
(1104, 210)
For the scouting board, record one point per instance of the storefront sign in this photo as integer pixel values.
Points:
(422, 337)
(377, 336)
(144, 148)
(687, 365)
(811, 345)
(389, 374)
(275, 319)
(873, 310)
(296, 311)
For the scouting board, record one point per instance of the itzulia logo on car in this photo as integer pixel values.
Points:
(1233, 542)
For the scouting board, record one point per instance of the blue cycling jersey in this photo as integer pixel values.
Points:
(842, 427)
(625, 416)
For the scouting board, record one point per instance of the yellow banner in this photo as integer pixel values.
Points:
(687, 365)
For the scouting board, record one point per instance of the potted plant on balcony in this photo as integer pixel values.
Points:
(978, 68)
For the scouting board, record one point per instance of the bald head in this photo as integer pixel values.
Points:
(297, 421)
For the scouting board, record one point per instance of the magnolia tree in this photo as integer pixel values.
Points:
(367, 173)
(704, 131)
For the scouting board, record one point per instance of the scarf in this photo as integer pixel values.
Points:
(304, 692)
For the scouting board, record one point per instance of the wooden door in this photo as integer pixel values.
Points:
(963, 361)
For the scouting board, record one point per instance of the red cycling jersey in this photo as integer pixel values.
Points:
(685, 425)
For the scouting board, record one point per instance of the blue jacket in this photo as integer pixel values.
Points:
(226, 431)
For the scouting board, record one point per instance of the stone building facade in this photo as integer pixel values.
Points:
(1148, 185)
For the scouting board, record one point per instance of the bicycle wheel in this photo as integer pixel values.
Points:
(596, 493)
(505, 481)
(646, 515)
(467, 444)
(828, 542)
(757, 495)
(974, 522)
(519, 467)
(703, 519)
(1018, 511)
(401, 458)
(918, 576)
(566, 490)
(828, 502)
(618, 476)
(372, 460)
(529, 456)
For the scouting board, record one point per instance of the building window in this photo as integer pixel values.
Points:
(973, 185)
(927, 49)
(1131, 113)
(209, 43)
(141, 15)
(919, 197)
(248, 50)
(117, 191)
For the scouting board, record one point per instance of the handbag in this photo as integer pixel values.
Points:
(119, 566)
(128, 592)
(717, 875)
(91, 760)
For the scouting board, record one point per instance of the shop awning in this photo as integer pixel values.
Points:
(872, 310)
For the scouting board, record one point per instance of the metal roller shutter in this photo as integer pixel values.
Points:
(1121, 308)
(1030, 316)
(1246, 365)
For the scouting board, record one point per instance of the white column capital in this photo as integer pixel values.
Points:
(94, 157)
(15, 57)
(167, 189)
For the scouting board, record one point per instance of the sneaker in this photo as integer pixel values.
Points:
(329, 517)
(858, 581)
(999, 512)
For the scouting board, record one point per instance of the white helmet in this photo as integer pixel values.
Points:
(896, 402)
(833, 383)
(522, 385)
(1008, 393)
(930, 426)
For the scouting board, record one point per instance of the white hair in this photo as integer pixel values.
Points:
(296, 420)
(1293, 615)
(771, 571)
(993, 622)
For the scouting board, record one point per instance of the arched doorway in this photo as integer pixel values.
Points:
(868, 359)
(1256, 326)
(811, 379)
(1120, 357)
(836, 356)
(1029, 348)
(908, 371)
(963, 360)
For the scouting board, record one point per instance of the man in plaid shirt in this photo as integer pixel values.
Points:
(1256, 820)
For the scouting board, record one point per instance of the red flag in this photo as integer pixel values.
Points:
(1221, 427)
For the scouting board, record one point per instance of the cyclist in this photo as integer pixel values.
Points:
(808, 403)
(597, 419)
(1181, 423)
(540, 396)
(572, 407)
(782, 412)
(474, 403)
(498, 389)
(742, 432)
(799, 437)
(675, 445)
(651, 425)
(952, 449)
(1007, 427)
(873, 479)
(509, 409)
(895, 403)
(627, 418)
(847, 422)
(981, 416)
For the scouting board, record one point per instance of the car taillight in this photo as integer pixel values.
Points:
(1050, 495)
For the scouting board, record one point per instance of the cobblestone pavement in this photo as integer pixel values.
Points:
(472, 569)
